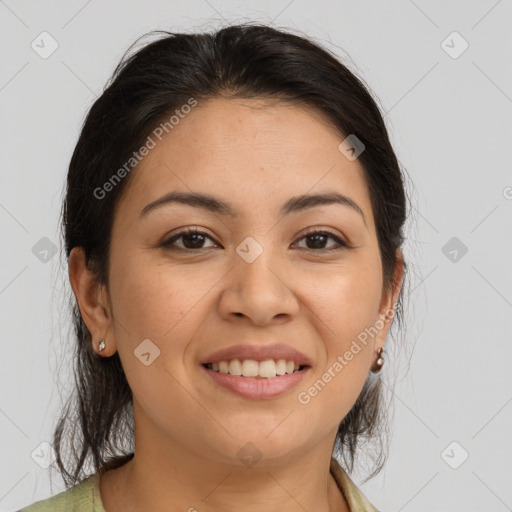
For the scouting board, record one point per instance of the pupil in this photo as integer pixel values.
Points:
(316, 238)
(196, 239)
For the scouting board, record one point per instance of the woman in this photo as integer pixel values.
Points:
(233, 226)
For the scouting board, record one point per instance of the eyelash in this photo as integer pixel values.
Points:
(169, 244)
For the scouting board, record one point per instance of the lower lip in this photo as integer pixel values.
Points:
(257, 388)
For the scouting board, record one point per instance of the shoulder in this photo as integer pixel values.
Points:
(82, 497)
(355, 498)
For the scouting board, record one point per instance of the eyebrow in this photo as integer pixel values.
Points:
(216, 205)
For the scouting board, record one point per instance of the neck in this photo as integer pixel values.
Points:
(153, 480)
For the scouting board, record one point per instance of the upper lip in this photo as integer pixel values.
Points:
(258, 353)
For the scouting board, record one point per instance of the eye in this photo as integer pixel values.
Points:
(318, 239)
(192, 239)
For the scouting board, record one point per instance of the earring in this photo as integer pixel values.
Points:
(101, 344)
(379, 363)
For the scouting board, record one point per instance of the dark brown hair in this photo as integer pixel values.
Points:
(238, 61)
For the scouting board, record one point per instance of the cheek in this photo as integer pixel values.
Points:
(159, 303)
(346, 307)
(141, 301)
(348, 300)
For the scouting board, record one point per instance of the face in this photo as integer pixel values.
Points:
(308, 277)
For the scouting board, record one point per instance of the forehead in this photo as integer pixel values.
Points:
(259, 152)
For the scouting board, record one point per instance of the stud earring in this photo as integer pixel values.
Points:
(101, 344)
(379, 363)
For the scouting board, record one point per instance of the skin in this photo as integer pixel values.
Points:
(255, 155)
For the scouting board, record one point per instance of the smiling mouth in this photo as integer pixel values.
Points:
(251, 369)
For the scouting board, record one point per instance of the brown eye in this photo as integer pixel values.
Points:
(316, 240)
(192, 239)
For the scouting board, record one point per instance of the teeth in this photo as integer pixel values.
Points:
(267, 369)
(235, 368)
(281, 367)
(250, 368)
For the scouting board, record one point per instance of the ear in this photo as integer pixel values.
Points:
(92, 301)
(388, 301)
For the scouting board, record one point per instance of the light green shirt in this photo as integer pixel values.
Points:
(85, 496)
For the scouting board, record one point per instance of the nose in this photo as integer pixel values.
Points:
(260, 291)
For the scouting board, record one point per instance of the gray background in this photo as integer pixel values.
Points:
(449, 120)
